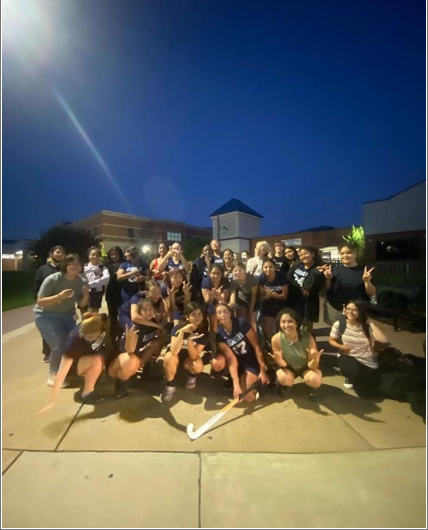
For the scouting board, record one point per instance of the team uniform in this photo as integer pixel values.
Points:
(172, 265)
(179, 301)
(240, 345)
(272, 306)
(309, 280)
(145, 336)
(76, 346)
(207, 283)
(243, 291)
(131, 286)
(202, 341)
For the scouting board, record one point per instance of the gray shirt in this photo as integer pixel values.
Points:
(55, 284)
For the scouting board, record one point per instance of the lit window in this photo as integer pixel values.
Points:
(173, 236)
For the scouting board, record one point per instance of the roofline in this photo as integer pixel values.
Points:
(212, 216)
(140, 218)
(395, 194)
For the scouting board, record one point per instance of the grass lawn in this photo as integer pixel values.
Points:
(17, 289)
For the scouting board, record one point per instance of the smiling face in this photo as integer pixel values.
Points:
(269, 269)
(239, 273)
(176, 278)
(207, 251)
(351, 312)
(223, 313)
(215, 275)
(94, 257)
(195, 317)
(228, 256)
(289, 253)
(348, 257)
(146, 310)
(162, 250)
(287, 324)
(306, 257)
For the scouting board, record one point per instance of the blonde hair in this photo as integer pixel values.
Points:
(93, 323)
(263, 243)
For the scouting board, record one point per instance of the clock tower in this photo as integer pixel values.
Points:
(234, 224)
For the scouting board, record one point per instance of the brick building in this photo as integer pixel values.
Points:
(123, 230)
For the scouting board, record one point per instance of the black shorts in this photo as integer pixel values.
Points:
(253, 368)
(297, 373)
(95, 299)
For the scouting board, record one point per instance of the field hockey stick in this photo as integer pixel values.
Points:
(193, 435)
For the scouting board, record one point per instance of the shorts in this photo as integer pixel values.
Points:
(95, 299)
(140, 348)
(245, 366)
(297, 373)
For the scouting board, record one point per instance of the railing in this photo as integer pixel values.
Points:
(400, 267)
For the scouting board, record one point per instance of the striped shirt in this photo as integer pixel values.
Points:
(355, 338)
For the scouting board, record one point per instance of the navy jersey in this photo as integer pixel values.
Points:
(145, 335)
(179, 297)
(238, 342)
(202, 341)
(131, 286)
(272, 306)
(243, 291)
(172, 265)
(77, 346)
(125, 309)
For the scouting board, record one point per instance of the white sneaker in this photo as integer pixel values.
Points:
(348, 384)
(51, 382)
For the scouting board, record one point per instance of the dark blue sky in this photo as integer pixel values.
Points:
(301, 109)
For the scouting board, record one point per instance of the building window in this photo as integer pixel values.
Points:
(173, 236)
(131, 233)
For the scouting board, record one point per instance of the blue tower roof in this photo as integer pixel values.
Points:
(235, 205)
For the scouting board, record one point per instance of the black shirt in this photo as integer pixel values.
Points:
(77, 346)
(243, 292)
(43, 272)
(346, 284)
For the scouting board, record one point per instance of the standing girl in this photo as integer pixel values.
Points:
(98, 277)
(215, 289)
(133, 273)
(154, 265)
(243, 294)
(55, 312)
(113, 291)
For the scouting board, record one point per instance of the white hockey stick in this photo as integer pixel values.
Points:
(193, 435)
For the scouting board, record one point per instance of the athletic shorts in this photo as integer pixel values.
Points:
(95, 299)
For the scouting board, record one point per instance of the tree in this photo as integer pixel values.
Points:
(356, 238)
(193, 247)
(74, 240)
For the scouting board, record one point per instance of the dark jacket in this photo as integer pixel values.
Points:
(43, 272)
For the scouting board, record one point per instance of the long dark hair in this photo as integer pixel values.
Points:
(296, 255)
(174, 271)
(362, 311)
(317, 258)
(194, 306)
(119, 251)
(294, 315)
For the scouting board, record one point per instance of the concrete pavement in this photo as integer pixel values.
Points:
(340, 462)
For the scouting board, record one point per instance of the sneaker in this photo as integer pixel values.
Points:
(51, 382)
(348, 384)
(167, 393)
(191, 382)
(121, 389)
(92, 398)
(46, 358)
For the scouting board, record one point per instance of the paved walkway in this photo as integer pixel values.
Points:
(341, 462)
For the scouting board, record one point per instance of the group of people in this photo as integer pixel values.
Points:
(253, 315)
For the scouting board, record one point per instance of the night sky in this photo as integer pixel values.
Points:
(301, 109)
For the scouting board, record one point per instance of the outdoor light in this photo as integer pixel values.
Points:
(19, 253)
(145, 249)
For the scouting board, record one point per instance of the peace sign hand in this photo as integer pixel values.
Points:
(131, 338)
(367, 275)
(328, 272)
(187, 287)
(314, 354)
